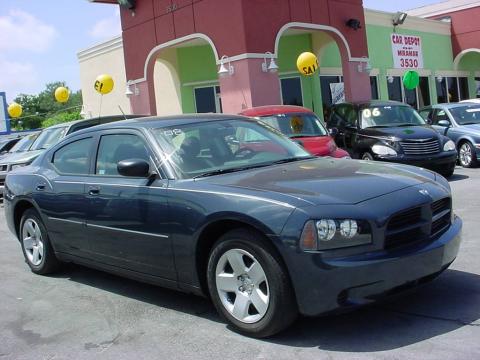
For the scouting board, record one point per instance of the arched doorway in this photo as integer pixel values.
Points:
(469, 61)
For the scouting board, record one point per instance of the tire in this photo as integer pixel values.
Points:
(261, 300)
(467, 155)
(367, 157)
(36, 246)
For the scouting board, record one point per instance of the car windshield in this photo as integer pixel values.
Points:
(296, 125)
(210, 148)
(24, 143)
(466, 115)
(389, 116)
(48, 138)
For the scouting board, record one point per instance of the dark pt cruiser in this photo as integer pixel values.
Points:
(229, 208)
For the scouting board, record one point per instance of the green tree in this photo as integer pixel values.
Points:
(43, 110)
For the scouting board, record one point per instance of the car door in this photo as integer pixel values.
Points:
(59, 191)
(337, 121)
(127, 220)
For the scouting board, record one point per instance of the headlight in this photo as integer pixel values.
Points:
(449, 146)
(16, 166)
(326, 234)
(383, 150)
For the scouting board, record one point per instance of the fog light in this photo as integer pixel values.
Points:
(326, 229)
(348, 228)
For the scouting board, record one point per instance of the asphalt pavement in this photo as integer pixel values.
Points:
(87, 314)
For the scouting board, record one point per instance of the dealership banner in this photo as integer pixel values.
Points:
(407, 51)
(3, 114)
(337, 90)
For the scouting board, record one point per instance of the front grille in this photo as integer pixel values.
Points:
(418, 225)
(3, 168)
(421, 147)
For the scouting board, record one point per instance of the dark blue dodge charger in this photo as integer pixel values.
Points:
(229, 208)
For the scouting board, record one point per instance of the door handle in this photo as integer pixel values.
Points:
(41, 187)
(92, 190)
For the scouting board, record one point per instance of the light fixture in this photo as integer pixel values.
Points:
(399, 18)
(440, 78)
(129, 92)
(272, 67)
(354, 24)
(390, 79)
(225, 70)
(365, 66)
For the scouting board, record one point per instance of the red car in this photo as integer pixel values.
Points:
(300, 124)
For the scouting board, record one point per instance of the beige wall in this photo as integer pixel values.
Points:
(105, 58)
(167, 84)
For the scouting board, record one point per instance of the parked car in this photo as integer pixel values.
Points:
(461, 123)
(299, 124)
(175, 202)
(7, 142)
(391, 131)
(46, 139)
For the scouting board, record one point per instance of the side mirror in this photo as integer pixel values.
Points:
(333, 131)
(134, 168)
(444, 123)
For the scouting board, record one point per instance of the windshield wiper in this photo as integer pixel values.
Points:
(404, 125)
(471, 123)
(249, 167)
(303, 136)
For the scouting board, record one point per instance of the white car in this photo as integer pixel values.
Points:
(475, 101)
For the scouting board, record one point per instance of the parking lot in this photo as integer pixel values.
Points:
(82, 313)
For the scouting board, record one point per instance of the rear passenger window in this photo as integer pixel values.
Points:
(118, 147)
(73, 158)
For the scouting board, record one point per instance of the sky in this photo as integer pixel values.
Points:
(40, 39)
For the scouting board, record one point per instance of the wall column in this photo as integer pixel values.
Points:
(249, 87)
(144, 102)
(357, 84)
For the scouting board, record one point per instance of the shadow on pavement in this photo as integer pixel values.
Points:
(458, 177)
(448, 303)
(155, 295)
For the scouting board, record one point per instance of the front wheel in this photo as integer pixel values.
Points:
(36, 246)
(467, 155)
(249, 286)
(367, 156)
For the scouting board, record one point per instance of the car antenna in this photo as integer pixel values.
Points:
(124, 116)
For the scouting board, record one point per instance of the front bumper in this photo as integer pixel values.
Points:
(326, 285)
(443, 161)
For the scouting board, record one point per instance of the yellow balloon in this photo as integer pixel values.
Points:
(104, 84)
(15, 110)
(62, 94)
(307, 63)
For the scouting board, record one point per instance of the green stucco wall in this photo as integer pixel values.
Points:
(471, 62)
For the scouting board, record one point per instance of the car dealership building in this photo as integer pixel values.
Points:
(189, 56)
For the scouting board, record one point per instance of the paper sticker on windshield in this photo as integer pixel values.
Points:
(367, 113)
(173, 132)
(296, 123)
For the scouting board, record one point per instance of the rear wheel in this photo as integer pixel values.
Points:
(36, 246)
(467, 155)
(249, 285)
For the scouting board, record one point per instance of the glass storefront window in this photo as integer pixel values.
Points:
(395, 89)
(292, 91)
(207, 99)
(374, 87)
(452, 89)
(423, 92)
(325, 82)
(477, 82)
(463, 87)
(441, 91)
(411, 97)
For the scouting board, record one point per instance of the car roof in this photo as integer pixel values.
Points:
(453, 105)
(368, 103)
(162, 121)
(93, 121)
(275, 110)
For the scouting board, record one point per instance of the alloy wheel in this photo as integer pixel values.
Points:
(242, 286)
(465, 154)
(33, 242)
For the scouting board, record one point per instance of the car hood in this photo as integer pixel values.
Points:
(402, 133)
(325, 181)
(471, 129)
(21, 157)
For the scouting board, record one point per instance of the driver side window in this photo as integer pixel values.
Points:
(439, 116)
(115, 148)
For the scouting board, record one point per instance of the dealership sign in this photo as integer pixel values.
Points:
(407, 51)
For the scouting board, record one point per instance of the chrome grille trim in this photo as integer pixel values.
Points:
(431, 146)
